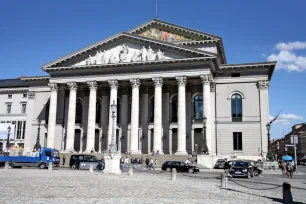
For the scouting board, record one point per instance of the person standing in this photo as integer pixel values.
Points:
(147, 162)
(64, 160)
(226, 168)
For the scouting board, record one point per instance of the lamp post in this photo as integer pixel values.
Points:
(204, 135)
(112, 145)
(269, 144)
(37, 145)
(8, 137)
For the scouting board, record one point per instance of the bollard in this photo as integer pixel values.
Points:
(287, 196)
(223, 180)
(130, 170)
(91, 167)
(6, 165)
(173, 174)
(50, 166)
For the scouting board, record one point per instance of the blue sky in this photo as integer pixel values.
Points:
(35, 32)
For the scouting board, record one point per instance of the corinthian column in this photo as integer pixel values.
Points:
(91, 116)
(52, 115)
(263, 87)
(206, 80)
(181, 125)
(158, 83)
(135, 83)
(71, 116)
(113, 98)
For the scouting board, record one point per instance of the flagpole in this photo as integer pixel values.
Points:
(156, 16)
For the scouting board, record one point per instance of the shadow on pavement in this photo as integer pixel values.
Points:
(272, 198)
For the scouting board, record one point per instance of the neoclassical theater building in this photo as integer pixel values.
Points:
(164, 78)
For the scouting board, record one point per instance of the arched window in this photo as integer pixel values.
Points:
(198, 107)
(47, 112)
(98, 111)
(79, 111)
(151, 114)
(174, 109)
(236, 107)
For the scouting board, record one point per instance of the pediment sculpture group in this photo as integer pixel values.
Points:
(125, 54)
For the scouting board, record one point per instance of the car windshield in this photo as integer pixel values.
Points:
(241, 164)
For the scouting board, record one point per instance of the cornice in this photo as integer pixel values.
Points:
(6, 90)
(35, 78)
(167, 61)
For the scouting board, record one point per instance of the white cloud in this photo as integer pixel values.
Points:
(297, 45)
(287, 59)
(285, 119)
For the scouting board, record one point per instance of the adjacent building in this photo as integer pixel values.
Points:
(164, 79)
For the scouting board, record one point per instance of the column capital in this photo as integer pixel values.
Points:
(157, 81)
(206, 78)
(212, 87)
(53, 87)
(72, 86)
(113, 84)
(181, 80)
(262, 85)
(92, 85)
(135, 83)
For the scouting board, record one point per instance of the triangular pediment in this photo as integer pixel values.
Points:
(127, 48)
(160, 30)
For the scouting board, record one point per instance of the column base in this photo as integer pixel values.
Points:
(135, 152)
(112, 164)
(182, 152)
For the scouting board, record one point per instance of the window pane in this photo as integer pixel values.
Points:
(234, 110)
(198, 107)
(239, 108)
(240, 141)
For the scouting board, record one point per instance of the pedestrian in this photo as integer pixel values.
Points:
(147, 162)
(226, 168)
(64, 160)
(151, 164)
(284, 167)
(289, 169)
(156, 163)
(157, 153)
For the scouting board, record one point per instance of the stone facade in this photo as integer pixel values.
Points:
(162, 89)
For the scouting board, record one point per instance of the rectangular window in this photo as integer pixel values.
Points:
(237, 141)
(8, 108)
(18, 134)
(45, 140)
(9, 96)
(23, 108)
(23, 129)
(24, 95)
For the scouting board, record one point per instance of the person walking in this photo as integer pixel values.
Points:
(64, 160)
(289, 169)
(147, 162)
(156, 163)
(226, 168)
(151, 164)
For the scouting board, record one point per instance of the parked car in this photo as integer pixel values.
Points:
(180, 167)
(241, 168)
(82, 161)
(219, 164)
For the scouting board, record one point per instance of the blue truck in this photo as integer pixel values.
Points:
(41, 159)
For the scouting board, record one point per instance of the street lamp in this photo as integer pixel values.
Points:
(37, 145)
(8, 137)
(268, 129)
(112, 145)
(204, 135)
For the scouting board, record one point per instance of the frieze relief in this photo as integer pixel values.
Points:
(163, 35)
(124, 54)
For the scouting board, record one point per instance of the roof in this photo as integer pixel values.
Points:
(271, 65)
(201, 53)
(10, 83)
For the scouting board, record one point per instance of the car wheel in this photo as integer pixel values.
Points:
(249, 175)
(42, 165)
(168, 169)
(190, 171)
(74, 166)
(11, 165)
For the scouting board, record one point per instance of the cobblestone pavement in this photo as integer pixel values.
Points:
(66, 186)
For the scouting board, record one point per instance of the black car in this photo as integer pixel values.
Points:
(82, 161)
(242, 169)
(180, 167)
(219, 164)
